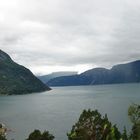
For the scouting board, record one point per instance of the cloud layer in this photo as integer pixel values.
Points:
(52, 35)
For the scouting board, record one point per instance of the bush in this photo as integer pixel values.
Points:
(2, 137)
(92, 126)
(134, 115)
(37, 135)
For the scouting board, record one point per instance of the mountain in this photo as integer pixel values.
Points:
(16, 79)
(46, 78)
(123, 73)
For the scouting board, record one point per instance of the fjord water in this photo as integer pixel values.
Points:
(58, 109)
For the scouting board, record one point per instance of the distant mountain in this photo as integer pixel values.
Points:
(16, 79)
(123, 73)
(46, 78)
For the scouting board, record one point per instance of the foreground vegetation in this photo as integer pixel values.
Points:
(92, 126)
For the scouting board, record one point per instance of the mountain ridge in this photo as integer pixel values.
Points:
(46, 78)
(16, 79)
(121, 73)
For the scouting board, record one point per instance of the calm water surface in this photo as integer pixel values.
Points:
(59, 109)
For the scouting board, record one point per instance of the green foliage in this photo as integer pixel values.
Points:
(2, 137)
(37, 135)
(92, 126)
(16, 79)
(124, 135)
(134, 115)
(47, 136)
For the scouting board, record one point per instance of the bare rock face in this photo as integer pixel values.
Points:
(16, 79)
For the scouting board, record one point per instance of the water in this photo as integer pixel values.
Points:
(59, 109)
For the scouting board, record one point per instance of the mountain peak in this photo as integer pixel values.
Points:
(16, 79)
(4, 56)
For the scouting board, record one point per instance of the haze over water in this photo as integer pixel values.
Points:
(58, 109)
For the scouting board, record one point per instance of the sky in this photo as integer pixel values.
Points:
(70, 35)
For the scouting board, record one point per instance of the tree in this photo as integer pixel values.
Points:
(37, 135)
(2, 137)
(124, 135)
(134, 115)
(92, 126)
(47, 136)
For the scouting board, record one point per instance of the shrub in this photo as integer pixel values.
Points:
(134, 115)
(2, 137)
(92, 126)
(37, 135)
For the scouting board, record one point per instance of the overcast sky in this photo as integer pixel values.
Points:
(60, 35)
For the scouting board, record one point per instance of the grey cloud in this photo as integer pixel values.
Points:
(69, 33)
(127, 43)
